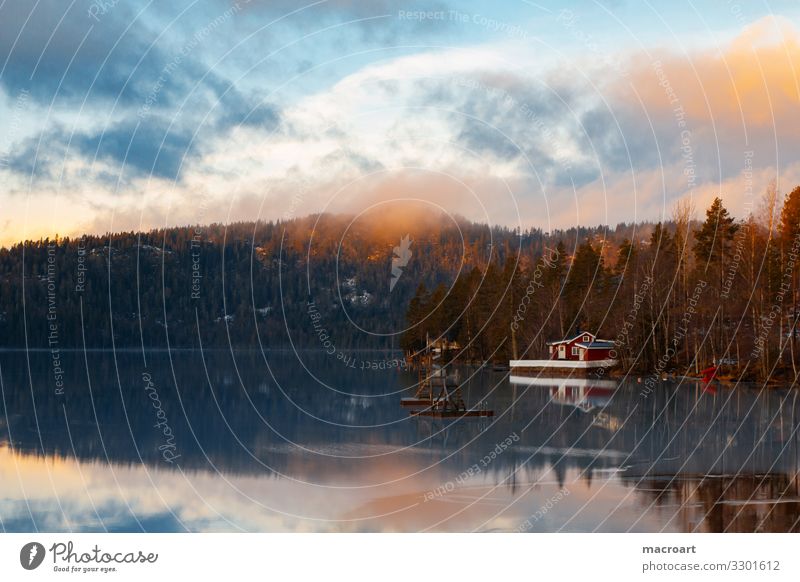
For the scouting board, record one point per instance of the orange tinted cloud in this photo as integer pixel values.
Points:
(753, 83)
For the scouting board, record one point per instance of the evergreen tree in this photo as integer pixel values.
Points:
(413, 339)
(713, 250)
(713, 239)
(626, 256)
(586, 283)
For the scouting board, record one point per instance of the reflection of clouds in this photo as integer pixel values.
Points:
(479, 505)
(203, 501)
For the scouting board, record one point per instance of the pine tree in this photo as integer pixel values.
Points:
(585, 285)
(714, 236)
(413, 338)
(713, 249)
(626, 256)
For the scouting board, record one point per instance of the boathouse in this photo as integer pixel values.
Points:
(578, 354)
(582, 347)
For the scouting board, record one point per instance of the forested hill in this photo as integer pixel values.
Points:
(248, 282)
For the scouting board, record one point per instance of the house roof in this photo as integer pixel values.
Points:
(596, 345)
(573, 338)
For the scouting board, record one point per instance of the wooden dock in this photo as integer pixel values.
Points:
(438, 393)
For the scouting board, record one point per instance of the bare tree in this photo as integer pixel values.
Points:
(683, 214)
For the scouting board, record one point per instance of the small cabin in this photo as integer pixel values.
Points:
(582, 347)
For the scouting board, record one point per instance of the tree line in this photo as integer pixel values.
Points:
(674, 295)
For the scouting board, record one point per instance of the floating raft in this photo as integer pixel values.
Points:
(452, 413)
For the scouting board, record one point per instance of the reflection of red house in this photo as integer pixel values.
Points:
(583, 347)
(584, 397)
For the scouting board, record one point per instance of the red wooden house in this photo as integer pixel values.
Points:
(582, 347)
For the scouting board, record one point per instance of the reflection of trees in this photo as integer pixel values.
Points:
(735, 503)
(719, 463)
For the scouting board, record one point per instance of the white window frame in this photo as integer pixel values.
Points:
(574, 350)
(586, 338)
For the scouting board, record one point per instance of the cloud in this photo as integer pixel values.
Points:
(380, 21)
(145, 146)
(51, 47)
(606, 141)
(742, 97)
(64, 56)
(497, 123)
(694, 121)
(29, 159)
(235, 109)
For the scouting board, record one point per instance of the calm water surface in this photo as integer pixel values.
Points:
(238, 441)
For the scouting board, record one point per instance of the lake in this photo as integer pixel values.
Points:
(280, 441)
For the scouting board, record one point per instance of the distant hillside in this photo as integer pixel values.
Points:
(236, 283)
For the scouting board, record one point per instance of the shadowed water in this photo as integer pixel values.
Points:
(227, 441)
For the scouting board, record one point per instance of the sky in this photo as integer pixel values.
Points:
(127, 115)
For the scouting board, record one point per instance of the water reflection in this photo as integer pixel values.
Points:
(267, 445)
